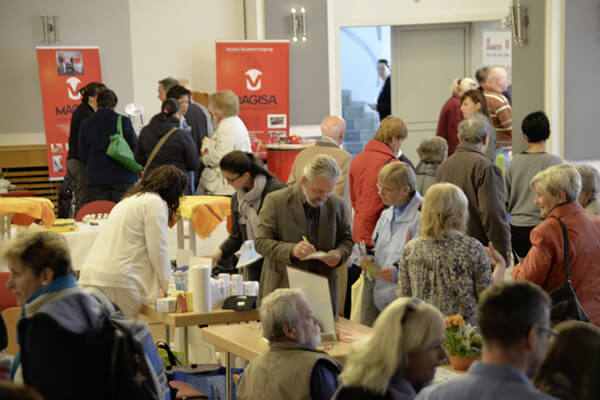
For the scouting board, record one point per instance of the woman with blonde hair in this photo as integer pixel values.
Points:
(231, 134)
(444, 266)
(451, 115)
(381, 150)
(398, 357)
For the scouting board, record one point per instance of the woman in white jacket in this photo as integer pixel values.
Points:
(231, 134)
(130, 257)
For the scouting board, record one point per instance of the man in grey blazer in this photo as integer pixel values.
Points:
(299, 220)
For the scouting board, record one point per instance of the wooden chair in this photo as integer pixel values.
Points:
(95, 207)
(11, 317)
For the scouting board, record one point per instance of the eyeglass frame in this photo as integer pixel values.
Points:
(384, 189)
(549, 331)
(412, 305)
(230, 181)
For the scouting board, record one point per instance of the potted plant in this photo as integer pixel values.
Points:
(463, 342)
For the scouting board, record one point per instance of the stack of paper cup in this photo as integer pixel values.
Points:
(251, 288)
(226, 278)
(237, 285)
(201, 288)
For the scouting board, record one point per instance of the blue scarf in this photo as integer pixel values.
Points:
(61, 283)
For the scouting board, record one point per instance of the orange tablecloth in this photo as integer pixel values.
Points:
(205, 212)
(26, 210)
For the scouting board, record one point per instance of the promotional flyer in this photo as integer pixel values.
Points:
(258, 73)
(63, 72)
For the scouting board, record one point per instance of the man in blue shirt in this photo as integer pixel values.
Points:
(514, 319)
(292, 368)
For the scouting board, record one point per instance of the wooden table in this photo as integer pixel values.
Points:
(183, 320)
(246, 341)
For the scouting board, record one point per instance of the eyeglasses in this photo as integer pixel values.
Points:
(231, 180)
(384, 189)
(548, 331)
(411, 306)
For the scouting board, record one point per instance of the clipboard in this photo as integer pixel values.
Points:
(371, 267)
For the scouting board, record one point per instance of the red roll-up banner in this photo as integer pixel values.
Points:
(63, 71)
(259, 73)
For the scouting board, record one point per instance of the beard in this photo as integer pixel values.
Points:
(311, 338)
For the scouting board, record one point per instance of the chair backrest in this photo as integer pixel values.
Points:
(11, 318)
(95, 207)
(18, 193)
(7, 297)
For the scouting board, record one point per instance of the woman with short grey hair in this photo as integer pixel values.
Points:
(556, 193)
(590, 183)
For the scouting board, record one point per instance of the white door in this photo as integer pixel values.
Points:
(425, 61)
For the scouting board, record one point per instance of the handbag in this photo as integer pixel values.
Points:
(156, 149)
(119, 150)
(565, 304)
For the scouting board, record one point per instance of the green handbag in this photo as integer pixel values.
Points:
(119, 150)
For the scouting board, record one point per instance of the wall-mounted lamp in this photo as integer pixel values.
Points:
(49, 28)
(519, 21)
(298, 24)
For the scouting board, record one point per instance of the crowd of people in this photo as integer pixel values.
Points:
(419, 243)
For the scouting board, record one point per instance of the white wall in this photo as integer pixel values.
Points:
(398, 12)
(80, 22)
(177, 38)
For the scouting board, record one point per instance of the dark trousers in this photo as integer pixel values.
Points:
(108, 192)
(519, 236)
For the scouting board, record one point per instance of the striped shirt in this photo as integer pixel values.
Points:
(500, 117)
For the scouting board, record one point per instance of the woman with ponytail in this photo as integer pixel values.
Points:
(75, 168)
(252, 182)
(178, 149)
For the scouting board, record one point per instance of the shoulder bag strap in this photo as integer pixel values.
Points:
(157, 148)
(566, 256)
(566, 247)
(119, 125)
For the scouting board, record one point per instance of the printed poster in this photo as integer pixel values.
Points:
(497, 49)
(258, 72)
(63, 71)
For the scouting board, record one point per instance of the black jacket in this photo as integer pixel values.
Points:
(238, 233)
(179, 149)
(384, 101)
(81, 113)
(196, 119)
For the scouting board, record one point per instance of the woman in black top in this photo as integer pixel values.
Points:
(178, 150)
(252, 182)
(75, 168)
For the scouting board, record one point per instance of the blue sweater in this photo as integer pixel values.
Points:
(93, 141)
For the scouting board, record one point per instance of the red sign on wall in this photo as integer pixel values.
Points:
(258, 72)
(63, 71)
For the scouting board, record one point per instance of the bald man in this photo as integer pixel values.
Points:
(499, 107)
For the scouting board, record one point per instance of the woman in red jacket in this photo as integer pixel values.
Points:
(451, 114)
(556, 191)
(380, 150)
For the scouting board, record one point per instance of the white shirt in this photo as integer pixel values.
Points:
(231, 134)
(131, 250)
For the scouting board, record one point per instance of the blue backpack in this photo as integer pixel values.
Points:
(136, 369)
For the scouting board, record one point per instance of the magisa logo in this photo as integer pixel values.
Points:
(72, 88)
(253, 79)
